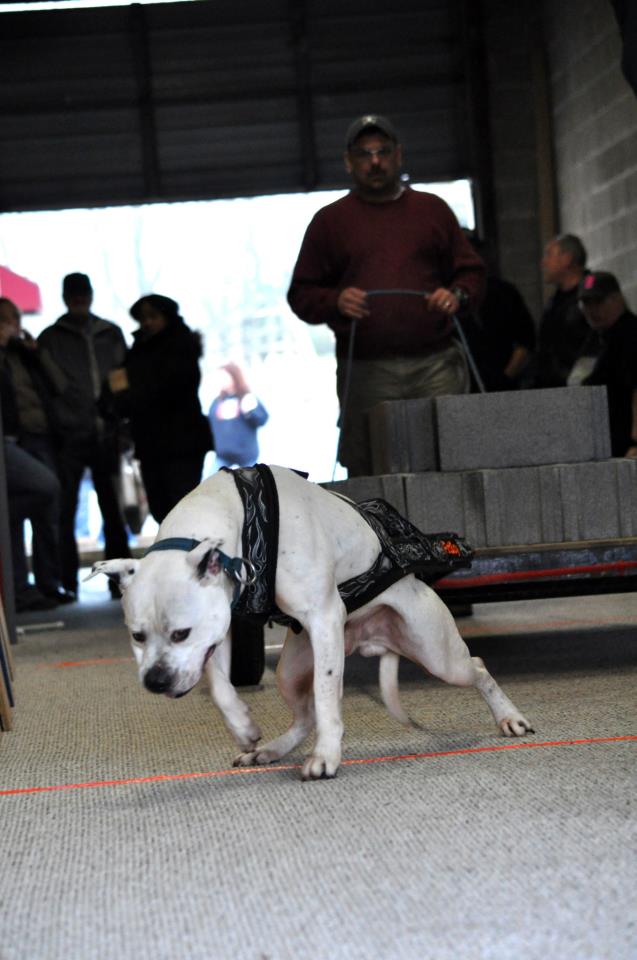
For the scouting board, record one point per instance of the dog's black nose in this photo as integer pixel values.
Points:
(158, 679)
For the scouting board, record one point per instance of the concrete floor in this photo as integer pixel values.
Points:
(127, 833)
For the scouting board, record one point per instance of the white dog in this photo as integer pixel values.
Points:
(177, 604)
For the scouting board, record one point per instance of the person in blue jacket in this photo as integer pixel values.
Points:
(235, 416)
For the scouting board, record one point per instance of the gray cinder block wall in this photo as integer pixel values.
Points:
(595, 134)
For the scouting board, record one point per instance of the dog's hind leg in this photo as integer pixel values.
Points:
(388, 680)
(294, 679)
(506, 714)
(432, 639)
(235, 713)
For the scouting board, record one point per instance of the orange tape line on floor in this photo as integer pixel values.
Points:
(233, 771)
(96, 662)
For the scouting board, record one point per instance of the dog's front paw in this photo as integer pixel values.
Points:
(319, 767)
(256, 758)
(247, 741)
(515, 726)
(246, 736)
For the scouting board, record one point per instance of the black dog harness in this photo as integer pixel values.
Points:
(403, 550)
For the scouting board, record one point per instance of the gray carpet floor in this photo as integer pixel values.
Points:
(126, 833)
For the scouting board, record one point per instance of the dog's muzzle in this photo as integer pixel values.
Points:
(159, 679)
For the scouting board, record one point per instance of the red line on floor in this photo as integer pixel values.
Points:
(96, 662)
(163, 777)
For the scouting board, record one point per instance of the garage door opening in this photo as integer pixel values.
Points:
(228, 264)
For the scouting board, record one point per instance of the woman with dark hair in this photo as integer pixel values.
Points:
(158, 390)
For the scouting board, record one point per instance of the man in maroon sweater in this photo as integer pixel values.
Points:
(385, 236)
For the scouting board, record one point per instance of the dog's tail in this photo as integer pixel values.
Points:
(388, 680)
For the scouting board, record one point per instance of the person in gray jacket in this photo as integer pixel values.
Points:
(86, 348)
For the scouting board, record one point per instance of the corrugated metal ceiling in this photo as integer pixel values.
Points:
(224, 97)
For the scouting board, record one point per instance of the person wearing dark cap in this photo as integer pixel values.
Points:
(384, 236)
(613, 342)
(158, 389)
(86, 347)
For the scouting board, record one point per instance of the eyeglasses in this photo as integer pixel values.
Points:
(365, 153)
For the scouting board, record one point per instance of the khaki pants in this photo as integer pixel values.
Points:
(397, 378)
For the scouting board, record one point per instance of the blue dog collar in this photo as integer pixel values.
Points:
(231, 566)
(173, 543)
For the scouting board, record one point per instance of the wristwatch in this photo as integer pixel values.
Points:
(461, 295)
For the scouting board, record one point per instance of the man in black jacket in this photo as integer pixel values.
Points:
(86, 348)
(614, 341)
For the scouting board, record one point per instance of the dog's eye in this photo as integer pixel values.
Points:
(178, 636)
(139, 637)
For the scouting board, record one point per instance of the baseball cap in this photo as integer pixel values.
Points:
(598, 285)
(76, 284)
(371, 121)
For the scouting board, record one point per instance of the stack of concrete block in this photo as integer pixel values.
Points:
(504, 469)
(555, 503)
(520, 428)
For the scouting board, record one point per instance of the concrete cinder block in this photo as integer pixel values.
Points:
(522, 506)
(390, 488)
(601, 422)
(491, 508)
(511, 506)
(627, 496)
(560, 503)
(403, 436)
(522, 428)
(551, 516)
(599, 500)
(433, 502)
(474, 508)
(436, 502)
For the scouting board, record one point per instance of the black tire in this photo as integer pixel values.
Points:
(248, 653)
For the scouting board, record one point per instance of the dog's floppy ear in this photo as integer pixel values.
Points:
(120, 572)
(205, 561)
